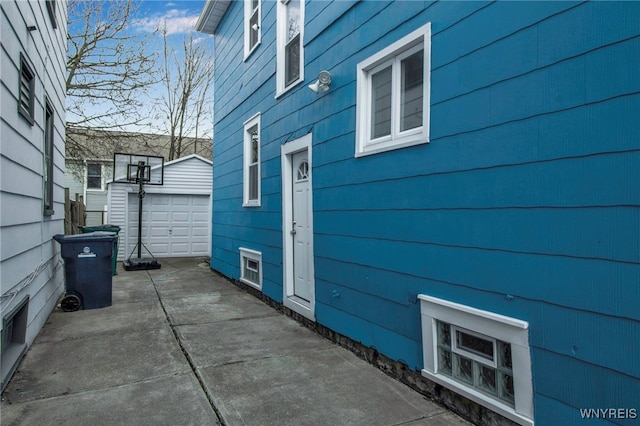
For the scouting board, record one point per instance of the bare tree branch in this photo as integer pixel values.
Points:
(187, 83)
(108, 68)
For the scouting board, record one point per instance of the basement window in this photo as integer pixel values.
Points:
(481, 355)
(14, 342)
(251, 267)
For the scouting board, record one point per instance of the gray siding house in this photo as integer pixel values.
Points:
(32, 118)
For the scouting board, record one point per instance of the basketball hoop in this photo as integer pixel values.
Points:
(141, 170)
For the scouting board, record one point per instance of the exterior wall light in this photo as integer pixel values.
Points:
(322, 83)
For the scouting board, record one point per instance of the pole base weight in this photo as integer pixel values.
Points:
(140, 264)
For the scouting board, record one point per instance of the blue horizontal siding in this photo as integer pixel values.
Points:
(526, 201)
(369, 334)
(600, 180)
(549, 411)
(584, 233)
(583, 385)
(542, 277)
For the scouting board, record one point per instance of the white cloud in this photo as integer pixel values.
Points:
(176, 22)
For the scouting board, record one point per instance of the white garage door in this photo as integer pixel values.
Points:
(172, 225)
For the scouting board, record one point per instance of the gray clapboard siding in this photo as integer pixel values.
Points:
(28, 256)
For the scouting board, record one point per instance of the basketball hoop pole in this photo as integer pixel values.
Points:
(140, 174)
(140, 169)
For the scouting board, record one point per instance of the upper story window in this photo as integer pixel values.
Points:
(393, 95)
(251, 178)
(47, 172)
(252, 23)
(290, 44)
(94, 176)
(51, 10)
(27, 90)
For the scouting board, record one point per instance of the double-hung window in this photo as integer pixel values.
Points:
(393, 95)
(47, 172)
(94, 176)
(251, 185)
(252, 23)
(290, 44)
(27, 91)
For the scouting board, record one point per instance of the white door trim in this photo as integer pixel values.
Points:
(304, 308)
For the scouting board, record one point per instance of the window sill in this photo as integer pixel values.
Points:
(48, 212)
(502, 409)
(251, 204)
(250, 283)
(248, 54)
(388, 146)
(281, 92)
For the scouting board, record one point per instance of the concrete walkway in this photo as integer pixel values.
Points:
(183, 346)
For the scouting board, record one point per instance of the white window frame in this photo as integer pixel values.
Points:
(101, 188)
(493, 363)
(282, 29)
(256, 256)
(248, 125)
(487, 324)
(391, 56)
(248, 13)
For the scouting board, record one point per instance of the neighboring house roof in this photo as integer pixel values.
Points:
(101, 145)
(211, 15)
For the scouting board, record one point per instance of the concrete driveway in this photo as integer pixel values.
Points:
(184, 346)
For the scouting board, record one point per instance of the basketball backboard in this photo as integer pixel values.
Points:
(133, 168)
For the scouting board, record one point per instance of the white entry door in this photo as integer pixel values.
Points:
(298, 226)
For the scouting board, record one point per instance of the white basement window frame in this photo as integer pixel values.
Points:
(251, 267)
(393, 95)
(290, 45)
(251, 163)
(252, 26)
(479, 354)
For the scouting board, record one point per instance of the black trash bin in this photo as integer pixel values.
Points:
(87, 269)
(107, 228)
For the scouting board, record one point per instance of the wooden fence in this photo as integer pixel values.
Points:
(75, 214)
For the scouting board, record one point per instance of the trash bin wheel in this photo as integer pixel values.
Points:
(70, 303)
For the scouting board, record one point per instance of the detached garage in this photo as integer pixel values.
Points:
(176, 217)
